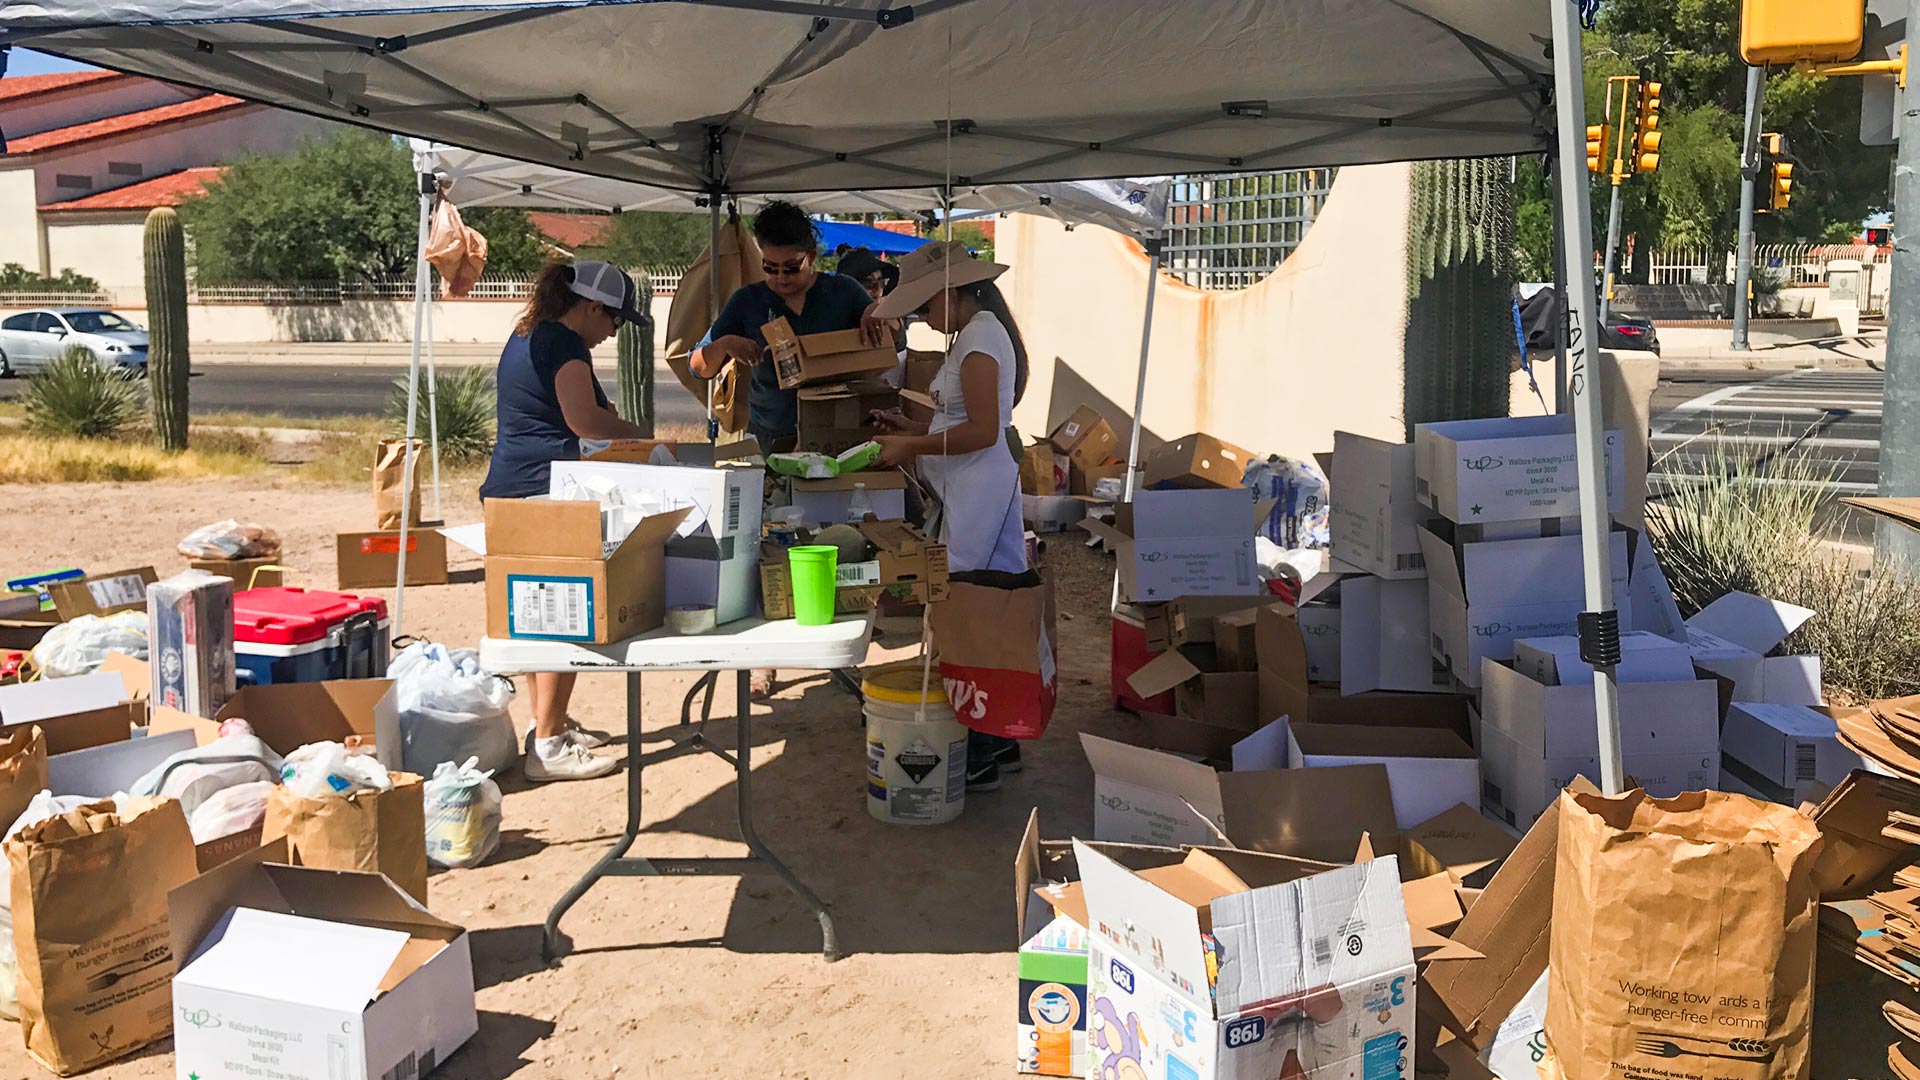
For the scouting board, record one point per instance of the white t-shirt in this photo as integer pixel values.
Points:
(980, 520)
(982, 334)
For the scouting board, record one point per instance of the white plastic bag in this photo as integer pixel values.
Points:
(329, 770)
(196, 775)
(44, 805)
(230, 539)
(451, 709)
(230, 810)
(79, 646)
(1300, 518)
(463, 815)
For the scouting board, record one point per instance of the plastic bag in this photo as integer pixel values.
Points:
(463, 815)
(1300, 518)
(451, 709)
(230, 810)
(329, 770)
(803, 466)
(44, 805)
(230, 539)
(79, 646)
(196, 775)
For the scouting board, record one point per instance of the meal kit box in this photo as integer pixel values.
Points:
(1429, 769)
(1374, 514)
(1507, 469)
(830, 501)
(837, 417)
(800, 359)
(1185, 543)
(713, 553)
(1644, 657)
(907, 565)
(287, 716)
(73, 713)
(1085, 438)
(396, 999)
(1485, 596)
(1788, 754)
(371, 560)
(1535, 739)
(102, 594)
(1732, 636)
(1197, 461)
(551, 577)
(1197, 974)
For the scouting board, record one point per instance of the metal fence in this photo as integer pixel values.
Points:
(490, 287)
(1785, 266)
(1229, 232)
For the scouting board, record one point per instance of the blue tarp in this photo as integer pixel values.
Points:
(835, 233)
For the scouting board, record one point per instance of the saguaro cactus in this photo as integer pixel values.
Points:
(1460, 345)
(636, 363)
(166, 256)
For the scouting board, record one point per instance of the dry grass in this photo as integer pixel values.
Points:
(38, 460)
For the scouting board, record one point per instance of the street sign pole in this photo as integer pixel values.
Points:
(1749, 187)
(1613, 243)
(1900, 413)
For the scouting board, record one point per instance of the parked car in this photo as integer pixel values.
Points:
(1621, 332)
(30, 340)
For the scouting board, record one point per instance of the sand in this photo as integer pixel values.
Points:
(681, 977)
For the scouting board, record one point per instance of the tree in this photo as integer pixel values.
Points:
(17, 278)
(639, 238)
(340, 208)
(514, 246)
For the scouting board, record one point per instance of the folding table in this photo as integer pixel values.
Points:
(739, 647)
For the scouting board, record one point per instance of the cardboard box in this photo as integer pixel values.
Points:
(1226, 698)
(1315, 974)
(1233, 639)
(1040, 467)
(632, 451)
(1535, 739)
(1374, 514)
(1790, 754)
(102, 594)
(1485, 596)
(800, 359)
(830, 501)
(907, 565)
(262, 573)
(1429, 770)
(1384, 638)
(1197, 461)
(1192, 620)
(1732, 636)
(1285, 687)
(1507, 469)
(837, 417)
(1053, 513)
(371, 560)
(397, 997)
(1185, 543)
(73, 713)
(1644, 657)
(1081, 479)
(287, 716)
(550, 577)
(23, 628)
(1085, 438)
(1128, 652)
(1471, 845)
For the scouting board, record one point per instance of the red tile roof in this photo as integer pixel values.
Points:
(16, 87)
(571, 231)
(60, 138)
(167, 190)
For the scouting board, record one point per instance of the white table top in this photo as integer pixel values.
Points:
(743, 645)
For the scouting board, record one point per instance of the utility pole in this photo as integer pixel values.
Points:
(1750, 172)
(1900, 408)
(1617, 175)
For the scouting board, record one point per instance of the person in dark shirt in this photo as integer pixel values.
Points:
(813, 302)
(548, 400)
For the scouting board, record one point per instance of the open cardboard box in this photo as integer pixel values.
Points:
(800, 359)
(907, 565)
(1173, 544)
(829, 501)
(74, 713)
(287, 716)
(103, 594)
(1285, 687)
(1086, 439)
(1374, 513)
(1507, 469)
(1196, 461)
(836, 417)
(1428, 769)
(1225, 698)
(395, 996)
(1789, 754)
(550, 576)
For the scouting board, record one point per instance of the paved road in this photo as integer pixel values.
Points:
(309, 390)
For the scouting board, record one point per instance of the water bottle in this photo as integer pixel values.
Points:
(859, 506)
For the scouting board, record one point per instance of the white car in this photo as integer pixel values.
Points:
(30, 340)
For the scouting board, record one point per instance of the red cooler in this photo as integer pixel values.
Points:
(285, 635)
(1130, 654)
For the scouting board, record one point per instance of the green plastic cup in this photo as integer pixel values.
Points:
(813, 567)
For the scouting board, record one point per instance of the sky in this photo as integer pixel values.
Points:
(28, 62)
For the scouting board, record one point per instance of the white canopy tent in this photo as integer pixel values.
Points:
(739, 97)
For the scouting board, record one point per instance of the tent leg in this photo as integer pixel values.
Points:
(713, 307)
(1599, 624)
(433, 400)
(422, 277)
(1154, 249)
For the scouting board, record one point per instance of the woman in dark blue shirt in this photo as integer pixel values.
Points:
(549, 399)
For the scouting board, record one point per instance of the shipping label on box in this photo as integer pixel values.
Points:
(1788, 753)
(102, 594)
(1508, 469)
(1085, 438)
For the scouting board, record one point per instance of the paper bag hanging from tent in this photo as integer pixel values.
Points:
(692, 312)
(91, 931)
(1683, 938)
(456, 250)
(389, 481)
(996, 652)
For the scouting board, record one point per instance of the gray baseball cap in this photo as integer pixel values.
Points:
(609, 285)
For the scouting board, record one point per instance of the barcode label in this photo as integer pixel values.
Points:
(407, 1069)
(1414, 561)
(117, 591)
(1803, 762)
(732, 520)
(854, 575)
(1322, 951)
(550, 607)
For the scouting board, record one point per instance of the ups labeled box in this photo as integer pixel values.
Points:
(1507, 469)
(1185, 543)
(1315, 972)
(551, 577)
(800, 359)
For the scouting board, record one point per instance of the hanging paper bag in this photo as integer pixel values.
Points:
(997, 658)
(389, 484)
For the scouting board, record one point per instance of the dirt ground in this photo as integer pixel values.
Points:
(682, 977)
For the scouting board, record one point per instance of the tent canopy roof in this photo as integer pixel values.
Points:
(772, 96)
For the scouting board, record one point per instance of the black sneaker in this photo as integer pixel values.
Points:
(1007, 756)
(983, 777)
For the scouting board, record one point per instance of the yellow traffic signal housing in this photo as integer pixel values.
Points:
(1789, 31)
(1646, 135)
(1782, 184)
(1596, 148)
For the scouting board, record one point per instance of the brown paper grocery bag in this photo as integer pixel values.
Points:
(1683, 938)
(91, 932)
(389, 481)
(23, 770)
(380, 831)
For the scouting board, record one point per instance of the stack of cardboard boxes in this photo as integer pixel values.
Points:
(1058, 473)
(837, 376)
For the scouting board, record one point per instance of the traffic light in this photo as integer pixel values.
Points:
(1596, 148)
(1646, 129)
(1782, 184)
(1777, 173)
(1791, 31)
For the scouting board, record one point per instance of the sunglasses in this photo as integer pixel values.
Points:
(783, 269)
(617, 319)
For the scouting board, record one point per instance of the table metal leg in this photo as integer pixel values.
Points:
(550, 945)
(743, 772)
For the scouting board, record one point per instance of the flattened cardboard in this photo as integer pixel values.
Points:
(287, 716)
(1428, 770)
(1196, 461)
(371, 560)
(1904, 511)
(1852, 819)
(134, 674)
(103, 594)
(100, 771)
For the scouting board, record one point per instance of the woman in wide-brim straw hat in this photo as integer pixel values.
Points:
(962, 455)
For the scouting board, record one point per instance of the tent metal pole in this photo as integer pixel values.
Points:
(713, 308)
(1155, 249)
(422, 276)
(1599, 623)
(433, 400)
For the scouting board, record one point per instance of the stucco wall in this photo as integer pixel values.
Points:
(1277, 368)
(171, 147)
(19, 227)
(105, 247)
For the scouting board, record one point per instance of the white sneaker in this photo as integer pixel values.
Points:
(588, 737)
(574, 762)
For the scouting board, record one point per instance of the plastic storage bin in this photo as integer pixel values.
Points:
(286, 635)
